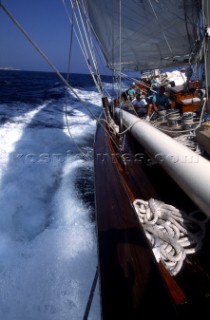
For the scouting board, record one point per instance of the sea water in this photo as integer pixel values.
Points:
(48, 245)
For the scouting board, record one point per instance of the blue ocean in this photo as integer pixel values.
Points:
(48, 245)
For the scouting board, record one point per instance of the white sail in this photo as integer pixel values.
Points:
(146, 34)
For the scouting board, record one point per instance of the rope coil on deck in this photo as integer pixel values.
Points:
(173, 234)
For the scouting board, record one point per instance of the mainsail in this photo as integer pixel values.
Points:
(146, 34)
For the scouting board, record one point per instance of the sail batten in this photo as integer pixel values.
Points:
(154, 33)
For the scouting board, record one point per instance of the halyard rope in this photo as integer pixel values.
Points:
(173, 234)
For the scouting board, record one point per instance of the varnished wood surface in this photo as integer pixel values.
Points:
(130, 281)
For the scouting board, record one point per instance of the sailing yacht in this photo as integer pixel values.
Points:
(152, 179)
(151, 188)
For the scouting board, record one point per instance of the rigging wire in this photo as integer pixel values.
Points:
(93, 287)
(90, 299)
(85, 50)
(66, 82)
(120, 53)
(103, 123)
(71, 22)
(67, 78)
(52, 65)
(82, 45)
(164, 35)
(112, 53)
(206, 48)
(89, 41)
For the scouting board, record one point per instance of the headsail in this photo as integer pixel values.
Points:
(146, 34)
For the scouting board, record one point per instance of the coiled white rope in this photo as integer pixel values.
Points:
(173, 234)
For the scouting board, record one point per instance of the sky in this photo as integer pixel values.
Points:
(47, 24)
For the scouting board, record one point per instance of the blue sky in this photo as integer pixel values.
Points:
(47, 24)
